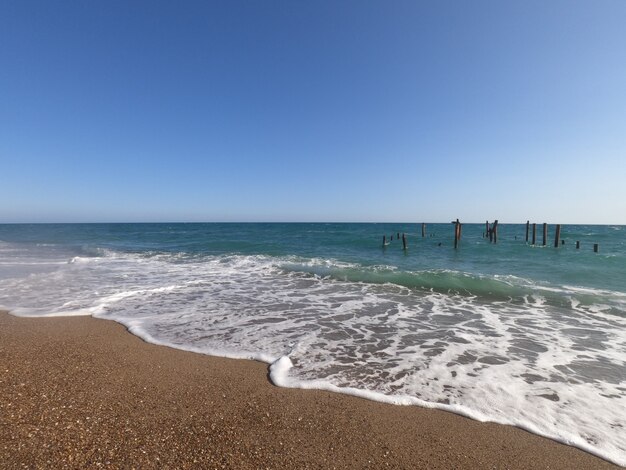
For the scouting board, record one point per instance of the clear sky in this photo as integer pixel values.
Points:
(313, 111)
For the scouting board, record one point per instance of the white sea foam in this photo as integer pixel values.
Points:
(44, 312)
(531, 361)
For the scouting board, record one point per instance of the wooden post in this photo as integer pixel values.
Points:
(557, 236)
(423, 230)
(384, 241)
(494, 229)
(487, 229)
(545, 233)
(398, 235)
(577, 245)
(456, 234)
(534, 233)
(527, 227)
(404, 242)
(595, 247)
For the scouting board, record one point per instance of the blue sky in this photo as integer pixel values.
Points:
(313, 111)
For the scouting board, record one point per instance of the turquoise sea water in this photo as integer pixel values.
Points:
(532, 336)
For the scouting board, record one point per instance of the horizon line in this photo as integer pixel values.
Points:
(296, 222)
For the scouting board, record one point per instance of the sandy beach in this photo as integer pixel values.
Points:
(79, 392)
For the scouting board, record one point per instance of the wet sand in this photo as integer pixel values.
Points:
(79, 392)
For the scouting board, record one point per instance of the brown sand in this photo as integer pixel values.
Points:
(84, 393)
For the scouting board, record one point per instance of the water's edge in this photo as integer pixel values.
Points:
(516, 334)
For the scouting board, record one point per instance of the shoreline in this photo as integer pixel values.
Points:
(85, 392)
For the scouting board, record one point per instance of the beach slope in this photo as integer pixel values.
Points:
(81, 392)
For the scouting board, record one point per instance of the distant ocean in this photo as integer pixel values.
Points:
(530, 336)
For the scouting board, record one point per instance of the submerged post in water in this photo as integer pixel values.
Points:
(557, 236)
(577, 244)
(534, 233)
(423, 229)
(404, 241)
(595, 247)
(494, 229)
(456, 234)
(527, 227)
(545, 233)
(384, 240)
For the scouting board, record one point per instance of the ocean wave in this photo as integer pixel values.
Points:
(485, 287)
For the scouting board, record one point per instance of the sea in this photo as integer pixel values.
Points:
(526, 335)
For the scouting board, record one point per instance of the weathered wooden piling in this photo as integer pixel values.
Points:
(494, 229)
(398, 235)
(557, 236)
(577, 244)
(527, 227)
(595, 247)
(534, 233)
(423, 230)
(404, 241)
(384, 241)
(457, 231)
(545, 233)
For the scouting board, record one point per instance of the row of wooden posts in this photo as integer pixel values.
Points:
(398, 237)
(557, 236)
(404, 245)
(491, 231)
